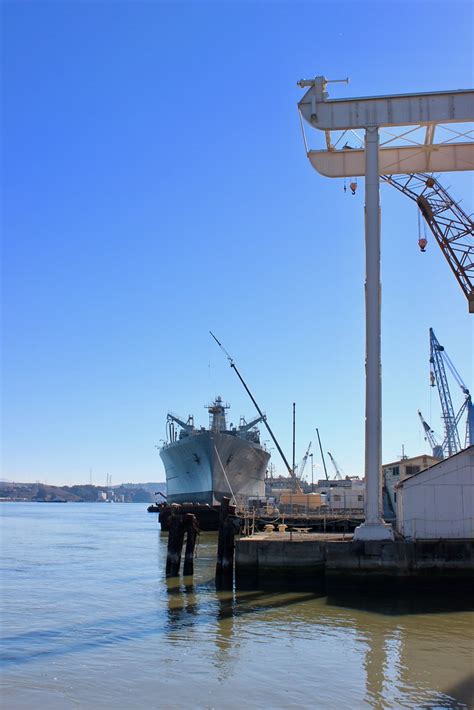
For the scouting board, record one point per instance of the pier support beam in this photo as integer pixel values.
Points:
(374, 528)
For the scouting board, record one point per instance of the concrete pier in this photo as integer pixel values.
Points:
(275, 559)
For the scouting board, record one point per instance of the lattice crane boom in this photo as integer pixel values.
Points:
(302, 465)
(452, 228)
(436, 448)
(468, 408)
(451, 444)
(336, 467)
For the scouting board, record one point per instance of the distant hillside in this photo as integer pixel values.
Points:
(43, 493)
(37, 492)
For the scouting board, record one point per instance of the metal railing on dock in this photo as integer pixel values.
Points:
(294, 517)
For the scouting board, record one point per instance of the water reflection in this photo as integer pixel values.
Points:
(227, 646)
(183, 605)
(418, 646)
(411, 651)
(118, 634)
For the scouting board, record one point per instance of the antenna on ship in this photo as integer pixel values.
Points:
(264, 419)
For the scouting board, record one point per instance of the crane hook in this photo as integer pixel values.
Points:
(422, 240)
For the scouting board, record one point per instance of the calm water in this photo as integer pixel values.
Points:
(89, 621)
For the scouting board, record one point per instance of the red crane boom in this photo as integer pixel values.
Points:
(452, 228)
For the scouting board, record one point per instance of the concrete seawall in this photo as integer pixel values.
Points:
(276, 559)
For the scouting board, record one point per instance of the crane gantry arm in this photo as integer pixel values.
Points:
(452, 228)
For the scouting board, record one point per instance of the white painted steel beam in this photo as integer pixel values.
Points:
(374, 527)
(450, 157)
(373, 383)
(395, 110)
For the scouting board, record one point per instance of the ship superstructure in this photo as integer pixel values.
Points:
(203, 465)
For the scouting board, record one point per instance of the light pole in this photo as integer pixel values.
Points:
(312, 471)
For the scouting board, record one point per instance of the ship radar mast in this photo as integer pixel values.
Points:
(217, 418)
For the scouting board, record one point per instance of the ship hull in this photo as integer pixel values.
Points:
(194, 468)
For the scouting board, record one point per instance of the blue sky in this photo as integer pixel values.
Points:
(155, 187)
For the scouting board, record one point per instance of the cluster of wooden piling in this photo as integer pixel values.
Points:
(186, 524)
(179, 526)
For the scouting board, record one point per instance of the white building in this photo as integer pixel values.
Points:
(438, 503)
(342, 494)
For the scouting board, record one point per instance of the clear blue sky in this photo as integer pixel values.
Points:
(155, 187)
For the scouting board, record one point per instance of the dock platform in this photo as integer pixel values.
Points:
(269, 559)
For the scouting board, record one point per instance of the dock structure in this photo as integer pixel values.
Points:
(434, 539)
(280, 559)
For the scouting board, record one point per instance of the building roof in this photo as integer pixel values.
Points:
(469, 450)
(412, 458)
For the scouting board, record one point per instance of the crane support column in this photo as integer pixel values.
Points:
(370, 114)
(374, 528)
(373, 381)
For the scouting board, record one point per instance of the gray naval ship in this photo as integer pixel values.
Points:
(203, 465)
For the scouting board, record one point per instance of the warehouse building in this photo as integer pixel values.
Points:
(438, 502)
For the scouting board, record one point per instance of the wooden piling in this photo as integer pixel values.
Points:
(192, 531)
(229, 525)
(175, 541)
(223, 512)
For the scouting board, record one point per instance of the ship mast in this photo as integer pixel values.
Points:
(217, 420)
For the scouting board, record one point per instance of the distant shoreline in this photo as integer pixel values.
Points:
(43, 493)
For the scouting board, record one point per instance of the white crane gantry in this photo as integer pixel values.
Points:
(407, 112)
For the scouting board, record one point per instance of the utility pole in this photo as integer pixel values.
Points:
(294, 464)
(312, 472)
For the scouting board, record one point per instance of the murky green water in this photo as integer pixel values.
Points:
(89, 621)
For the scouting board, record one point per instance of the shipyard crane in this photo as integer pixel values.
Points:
(452, 228)
(437, 449)
(467, 406)
(338, 475)
(290, 470)
(438, 359)
(302, 465)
